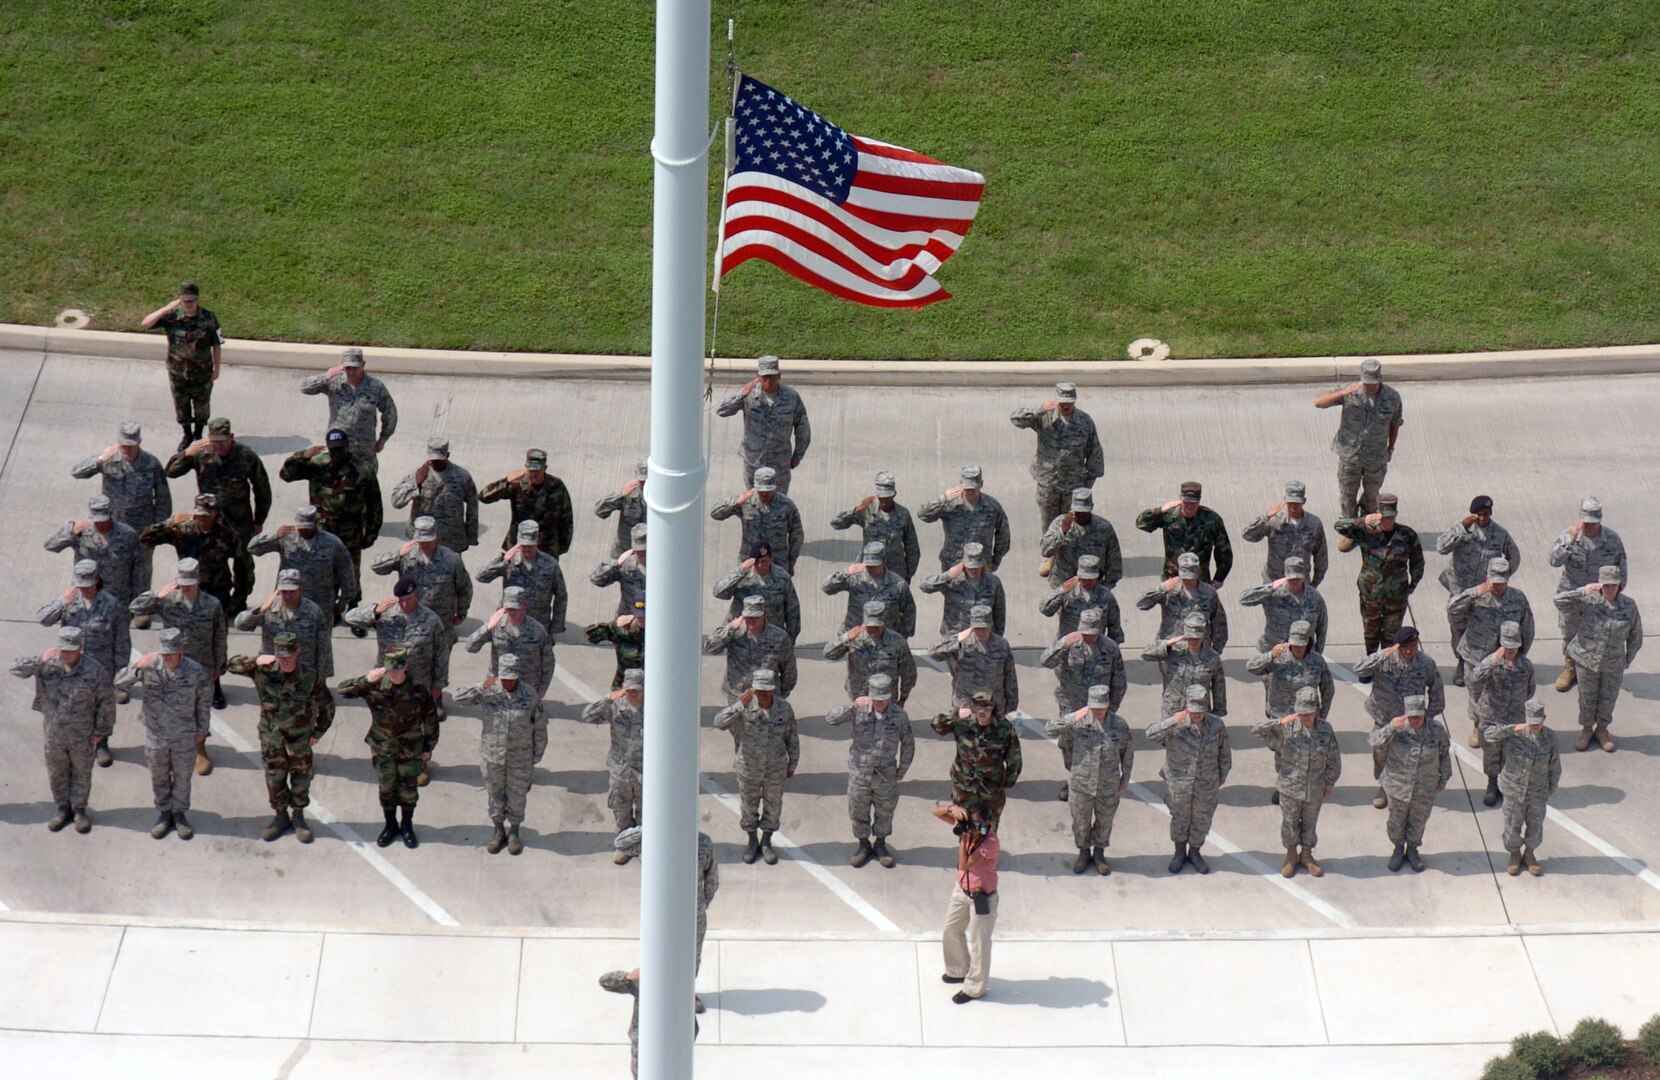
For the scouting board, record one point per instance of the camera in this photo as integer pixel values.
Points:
(981, 827)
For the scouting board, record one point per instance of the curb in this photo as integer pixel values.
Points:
(1533, 363)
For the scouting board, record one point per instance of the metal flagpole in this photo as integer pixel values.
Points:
(674, 521)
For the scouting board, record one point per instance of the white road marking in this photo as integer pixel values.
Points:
(1271, 874)
(1625, 862)
(824, 877)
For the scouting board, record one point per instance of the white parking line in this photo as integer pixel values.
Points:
(1625, 862)
(1271, 874)
(824, 877)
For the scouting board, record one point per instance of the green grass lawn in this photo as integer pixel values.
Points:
(1237, 177)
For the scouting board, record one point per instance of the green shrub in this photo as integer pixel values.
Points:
(1648, 1041)
(1596, 1043)
(1507, 1068)
(1542, 1052)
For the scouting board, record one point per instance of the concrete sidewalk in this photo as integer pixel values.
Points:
(256, 1000)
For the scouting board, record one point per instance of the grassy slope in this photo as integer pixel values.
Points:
(1248, 177)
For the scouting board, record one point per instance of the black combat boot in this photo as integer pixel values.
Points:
(83, 823)
(1493, 795)
(182, 824)
(390, 833)
(163, 826)
(768, 856)
(279, 825)
(64, 817)
(1397, 857)
(218, 695)
(861, 855)
(302, 831)
(879, 848)
(498, 839)
(1413, 859)
(410, 840)
(1197, 860)
(1102, 867)
(1178, 860)
(1081, 863)
(515, 846)
(752, 850)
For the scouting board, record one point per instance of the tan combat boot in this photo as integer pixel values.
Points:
(1475, 737)
(1514, 866)
(1314, 869)
(1569, 676)
(1583, 742)
(204, 764)
(1603, 739)
(1289, 867)
(1530, 862)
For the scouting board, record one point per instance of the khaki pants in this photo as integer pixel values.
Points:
(967, 942)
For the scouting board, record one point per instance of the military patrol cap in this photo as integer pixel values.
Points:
(1308, 699)
(1417, 705)
(1089, 620)
(1100, 697)
(637, 537)
(1295, 567)
(1301, 632)
(1083, 501)
(219, 428)
(351, 356)
(189, 289)
(764, 679)
(513, 597)
(536, 460)
(172, 640)
(634, 679)
(85, 573)
(438, 448)
(405, 586)
(397, 657)
(755, 606)
(1296, 491)
(979, 615)
(1406, 635)
(1371, 372)
(288, 580)
(189, 572)
(1609, 575)
(1510, 635)
(876, 613)
(641, 469)
(305, 516)
(758, 549)
(1535, 711)
(130, 434)
(1187, 566)
(1388, 505)
(1498, 569)
(881, 687)
(982, 697)
(972, 477)
(529, 532)
(1088, 566)
(1191, 490)
(70, 637)
(766, 478)
(1590, 509)
(875, 554)
(885, 484)
(98, 508)
(425, 529)
(507, 666)
(337, 438)
(1195, 624)
(1197, 695)
(1065, 391)
(285, 643)
(1481, 503)
(974, 556)
(767, 365)
(206, 505)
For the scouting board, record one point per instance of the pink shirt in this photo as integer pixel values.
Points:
(980, 874)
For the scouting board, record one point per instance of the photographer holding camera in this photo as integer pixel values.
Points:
(972, 913)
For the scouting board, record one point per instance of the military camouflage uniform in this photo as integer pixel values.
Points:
(1391, 565)
(1605, 643)
(783, 606)
(1181, 669)
(421, 632)
(1068, 604)
(1362, 447)
(1471, 550)
(340, 491)
(988, 760)
(1100, 756)
(893, 529)
(861, 588)
(1417, 763)
(1068, 456)
(1180, 602)
(1079, 664)
(549, 505)
(450, 498)
(190, 342)
(403, 725)
(746, 654)
(512, 738)
(1393, 681)
(138, 495)
(879, 753)
(1066, 545)
(1580, 560)
(626, 760)
(866, 656)
(977, 665)
(962, 594)
(630, 510)
(1532, 771)
(629, 642)
(1284, 675)
(778, 523)
(629, 576)
(288, 721)
(985, 524)
(1204, 535)
(103, 621)
(544, 586)
(776, 432)
(443, 581)
(327, 576)
(215, 550)
(311, 625)
(619, 982)
(77, 710)
(1499, 692)
(202, 624)
(1307, 763)
(1281, 607)
(177, 711)
(768, 751)
(1305, 537)
(243, 489)
(354, 410)
(1197, 760)
(121, 559)
(1481, 616)
(529, 641)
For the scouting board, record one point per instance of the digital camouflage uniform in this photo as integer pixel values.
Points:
(1178, 603)
(1197, 760)
(512, 738)
(1605, 643)
(981, 665)
(1068, 456)
(1067, 544)
(1204, 535)
(987, 763)
(339, 489)
(529, 642)
(889, 654)
(985, 524)
(861, 588)
(893, 529)
(1472, 549)
(77, 711)
(544, 586)
(783, 605)
(1079, 664)
(122, 561)
(327, 576)
(1499, 693)
(1532, 771)
(420, 632)
(104, 624)
(1362, 447)
(1417, 763)
(768, 751)
(1391, 565)
(1284, 675)
(1304, 537)
(1307, 763)
(629, 576)
(629, 642)
(962, 594)
(311, 625)
(548, 504)
(776, 431)
(177, 711)
(619, 982)
(449, 498)
(403, 725)
(777, 522)
(625, 762)
(879, 753)
(1394, 679)
(1479, 618)
(630, 510)
(442, 579)
(288, 721)
(1281, 607)
(1067, 604)
(746, 654)
(238, 480)
(354, 410)
(1099, 757)
(1580, 560)
(215, 550)
(138, 495)
(1181, 669)
(190, 342)
(201, 623)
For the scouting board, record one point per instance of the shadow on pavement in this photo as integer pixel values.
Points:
(1054, 992)
(765, 1002)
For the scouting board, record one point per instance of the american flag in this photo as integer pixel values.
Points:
(861, 219)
